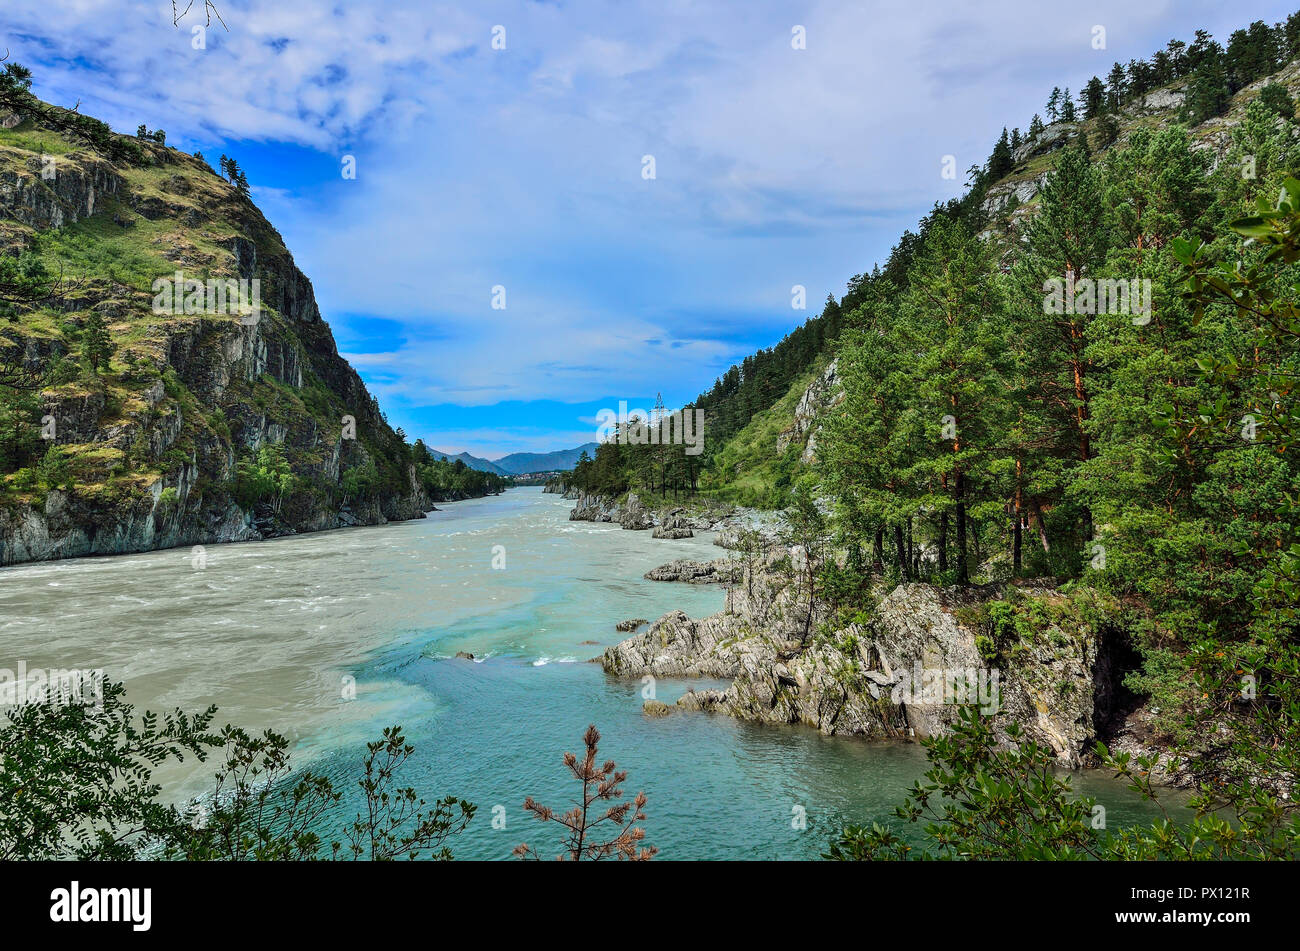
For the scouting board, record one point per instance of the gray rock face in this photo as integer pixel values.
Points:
(765, 613)
(595, 508)
(718, 571)
(904, 674)
(1053, 137)
(1000, 196)
(822, 394)
(1158, 100)
(635, 516)
(817, 685)
(673, 524)
(632, 513)
(1048, 688)
(766, 527)
(42, 203)
(677, 646)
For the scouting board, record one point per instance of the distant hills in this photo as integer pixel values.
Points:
(474, 462)
(518, 463)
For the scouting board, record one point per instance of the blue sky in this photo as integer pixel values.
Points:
(522, 167)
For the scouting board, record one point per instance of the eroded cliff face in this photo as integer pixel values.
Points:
(823, 394)
(145, 453)
(903, 673)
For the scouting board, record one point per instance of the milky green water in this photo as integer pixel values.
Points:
(271, 631)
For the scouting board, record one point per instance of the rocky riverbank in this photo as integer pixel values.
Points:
(673, 520)
(901, 672)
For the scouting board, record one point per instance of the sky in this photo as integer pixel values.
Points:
(502, 155)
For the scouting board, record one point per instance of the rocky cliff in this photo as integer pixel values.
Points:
(159, 445)
(822, 395)
(1030, 656)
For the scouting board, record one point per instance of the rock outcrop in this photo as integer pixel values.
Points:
(822, 394)
(674, 524)
(1158, 100)
(749, 529)
(1004, 194)
(718, 571)
(592, 507)
(905, 673)
(634, 515)
(675, 521)
(1053, 137)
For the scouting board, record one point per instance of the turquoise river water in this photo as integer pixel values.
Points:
(271, 631)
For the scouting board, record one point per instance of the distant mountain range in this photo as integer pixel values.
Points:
(518, 463)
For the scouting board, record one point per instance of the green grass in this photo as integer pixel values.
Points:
(28, 138)
(98, 247)
(748, 470)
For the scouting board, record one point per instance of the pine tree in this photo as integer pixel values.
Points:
(1252, 53)
(1116, 86)
(1290, 45)
(951, 314)
(1139, 78)
(1176, 51)
(1162, 70)
(1067, 106)
(1208, 93)
(1000, 162)
(1066, 243)
(1054, 103)
(1094, 98)
(97, 345)
(1107, 131)
(1276, 99)
(1202, 46)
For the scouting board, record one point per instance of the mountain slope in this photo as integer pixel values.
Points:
(194, 427)
(474, 462)
(752, 464)
(518, 463)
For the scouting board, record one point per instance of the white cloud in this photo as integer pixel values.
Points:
(523, 167)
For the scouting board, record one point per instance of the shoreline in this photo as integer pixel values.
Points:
(890, 678)
(252, 536)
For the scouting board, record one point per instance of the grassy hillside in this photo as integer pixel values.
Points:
(752, 468)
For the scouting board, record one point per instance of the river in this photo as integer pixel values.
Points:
(272, 631)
